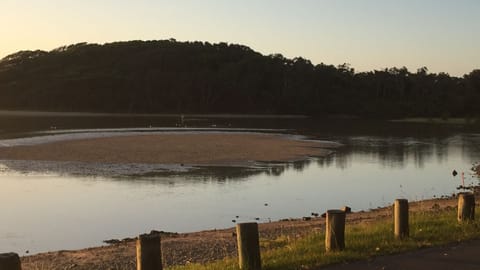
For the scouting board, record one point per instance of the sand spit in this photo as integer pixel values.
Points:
(179, 148)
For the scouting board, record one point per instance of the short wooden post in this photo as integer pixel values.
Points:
(10, 261)
(466, 207)
(400, 214)
(248, 246)
(335, 230)
(149, 252)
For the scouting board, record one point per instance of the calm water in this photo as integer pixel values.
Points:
(48, 206)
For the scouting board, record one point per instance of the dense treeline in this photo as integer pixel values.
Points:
(195, 77)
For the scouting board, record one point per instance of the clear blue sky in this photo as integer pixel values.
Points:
(443, 35)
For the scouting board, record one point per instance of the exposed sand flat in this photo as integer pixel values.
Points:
(188, 148)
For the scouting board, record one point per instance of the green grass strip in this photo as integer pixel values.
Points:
(362, 241)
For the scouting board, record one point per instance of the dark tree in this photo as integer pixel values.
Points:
(167, 76)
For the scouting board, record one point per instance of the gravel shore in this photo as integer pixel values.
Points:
(201, 247)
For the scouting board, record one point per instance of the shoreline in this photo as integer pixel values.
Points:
(206, 246)
(166, 115)
(203, 246)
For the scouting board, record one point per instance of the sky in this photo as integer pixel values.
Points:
(443, 35)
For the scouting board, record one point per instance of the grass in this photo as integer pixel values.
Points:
(362, 241)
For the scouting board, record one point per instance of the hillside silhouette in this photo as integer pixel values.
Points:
(168, 76)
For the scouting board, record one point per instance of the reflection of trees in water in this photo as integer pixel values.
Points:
(471, 147)
(421, 153)
(208, 174)
(300, 165)
(276, 171)
(150, 173)
(397, 152)
(387, 151)
(339, 159)
(441, 152)
(224, 174)
(390, 145)
(220, 174)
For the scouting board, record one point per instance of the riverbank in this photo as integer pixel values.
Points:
(224, 149)
(442, 121)
(208, 246)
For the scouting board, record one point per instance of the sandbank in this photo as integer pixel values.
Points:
(178, 148)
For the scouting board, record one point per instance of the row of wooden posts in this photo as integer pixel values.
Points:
(149, 254)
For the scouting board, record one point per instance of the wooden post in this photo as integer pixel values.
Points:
(149, 252)
(400, 209)
(335, 230)
(248, 246)
(10, 261)
(466, 207)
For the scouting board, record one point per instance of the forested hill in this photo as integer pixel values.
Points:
(195, 77)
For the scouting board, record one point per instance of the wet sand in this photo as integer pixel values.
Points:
(188, 148)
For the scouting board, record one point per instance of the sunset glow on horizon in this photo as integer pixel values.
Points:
(369, 34)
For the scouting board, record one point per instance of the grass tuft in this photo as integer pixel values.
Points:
(362, 241)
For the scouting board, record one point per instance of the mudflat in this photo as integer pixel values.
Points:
(178, 148)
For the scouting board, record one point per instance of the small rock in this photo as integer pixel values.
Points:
(111, 241)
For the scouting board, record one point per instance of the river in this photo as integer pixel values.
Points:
(57, 207)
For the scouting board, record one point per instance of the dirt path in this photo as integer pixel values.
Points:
(459, 256)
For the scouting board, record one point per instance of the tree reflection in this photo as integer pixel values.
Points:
(391, 145)
(398, 152)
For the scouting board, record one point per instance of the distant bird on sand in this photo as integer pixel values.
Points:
(454, 173)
